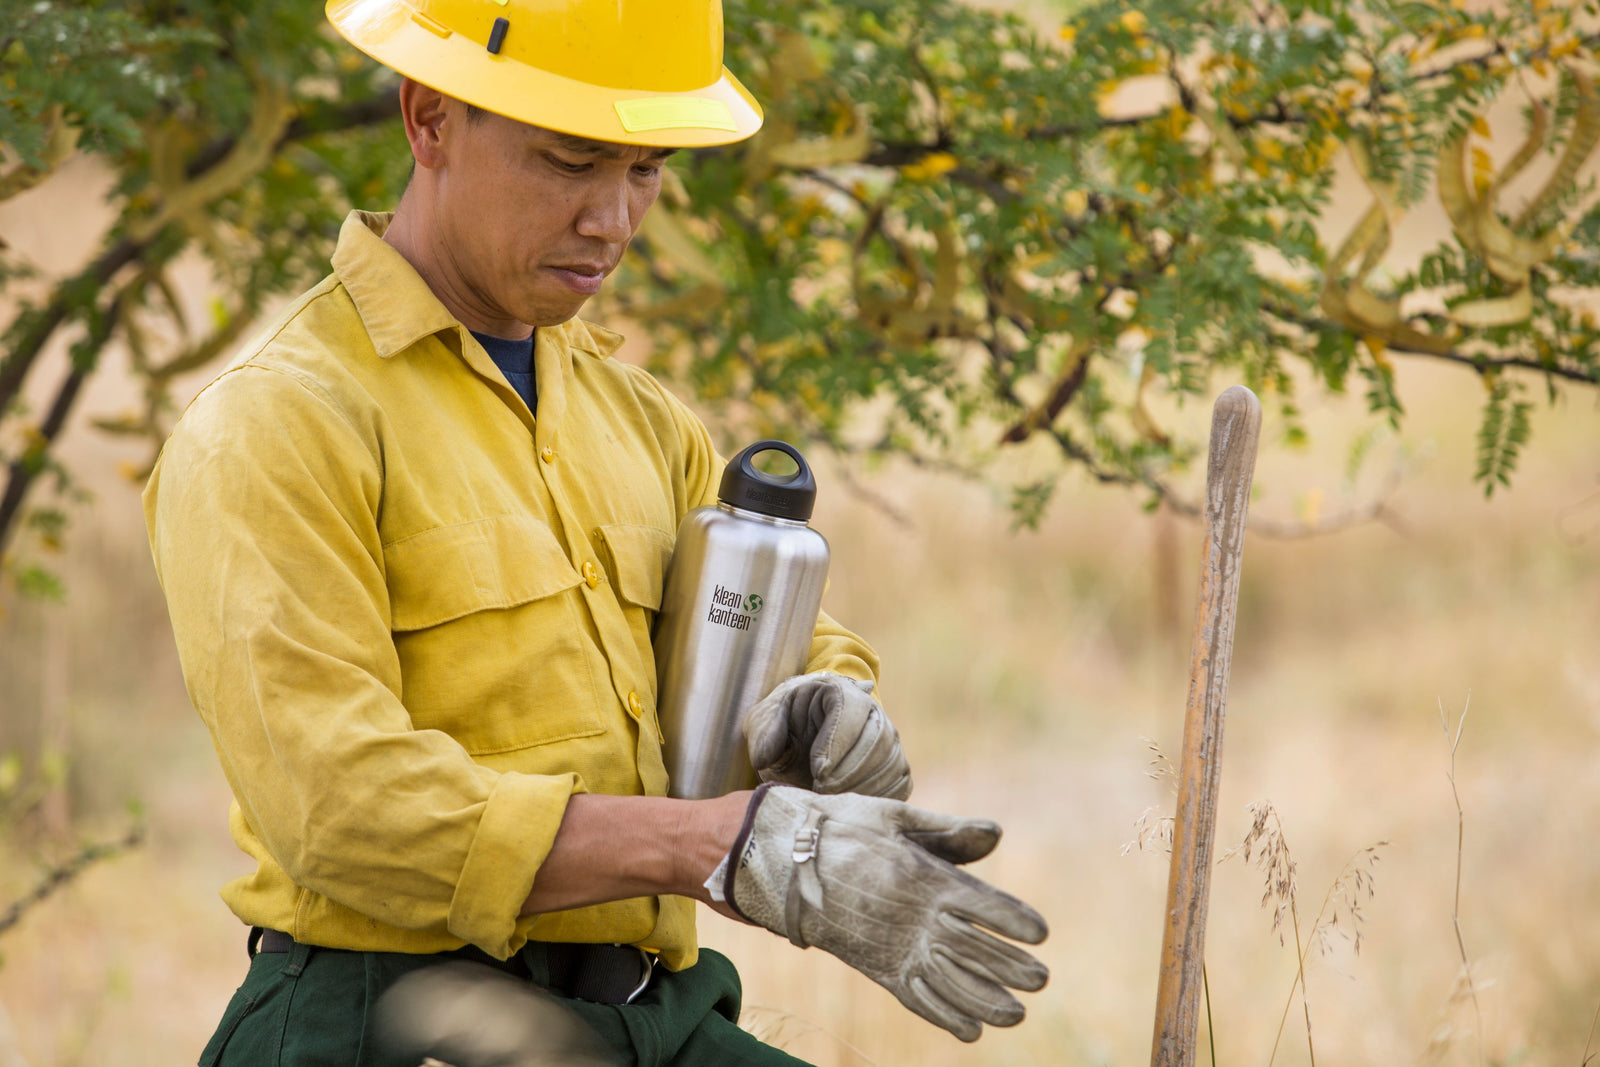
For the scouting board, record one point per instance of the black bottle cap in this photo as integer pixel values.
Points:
(789, 496)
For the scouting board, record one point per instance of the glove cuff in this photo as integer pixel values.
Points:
(774, 863)
(741, 845)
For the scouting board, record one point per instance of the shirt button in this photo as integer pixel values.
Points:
(635, 707)
(547, 454)
(591, 574)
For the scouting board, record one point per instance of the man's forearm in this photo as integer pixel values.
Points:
(616, 848)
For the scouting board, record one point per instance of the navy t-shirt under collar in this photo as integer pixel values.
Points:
(515, 360)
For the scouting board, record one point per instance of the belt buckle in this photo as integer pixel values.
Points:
(649, 972)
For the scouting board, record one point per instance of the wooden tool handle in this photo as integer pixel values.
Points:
(1230, 468)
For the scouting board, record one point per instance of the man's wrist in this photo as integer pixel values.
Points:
(705, 835)
(615, 848)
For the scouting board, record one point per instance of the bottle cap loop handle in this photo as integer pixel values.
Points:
(748, 488)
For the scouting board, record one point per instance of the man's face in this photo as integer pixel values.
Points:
(531, 220)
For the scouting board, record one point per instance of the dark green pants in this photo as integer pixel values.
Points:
(314, 1008)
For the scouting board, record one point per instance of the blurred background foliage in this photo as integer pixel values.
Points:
(950, 239)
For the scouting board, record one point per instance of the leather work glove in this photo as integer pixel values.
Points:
(825, 732)
(875, 883)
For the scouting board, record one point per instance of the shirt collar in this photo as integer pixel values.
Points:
(398, 309)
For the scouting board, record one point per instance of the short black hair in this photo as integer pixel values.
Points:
(475, 113)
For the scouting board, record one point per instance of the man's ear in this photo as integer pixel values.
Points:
(425, 111)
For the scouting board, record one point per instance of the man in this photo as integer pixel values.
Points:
(413, 541)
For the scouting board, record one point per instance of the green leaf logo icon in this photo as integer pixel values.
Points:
(753, 602)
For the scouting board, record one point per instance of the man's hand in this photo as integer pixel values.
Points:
(875, 883)
(825, 732)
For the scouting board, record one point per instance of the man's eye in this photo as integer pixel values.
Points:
(570, 168)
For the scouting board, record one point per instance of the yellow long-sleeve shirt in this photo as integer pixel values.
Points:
(416, 619)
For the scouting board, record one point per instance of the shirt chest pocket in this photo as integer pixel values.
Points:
(492, 642)
(638, 557)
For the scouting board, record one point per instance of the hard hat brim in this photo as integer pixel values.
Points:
(404, 41)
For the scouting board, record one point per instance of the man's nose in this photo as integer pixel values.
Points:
(608, 214)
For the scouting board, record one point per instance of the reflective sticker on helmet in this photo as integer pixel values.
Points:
(672, 112)
(433, 26)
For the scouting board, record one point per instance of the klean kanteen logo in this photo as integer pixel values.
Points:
(734, 610)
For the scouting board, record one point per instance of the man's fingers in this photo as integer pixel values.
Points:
(892, 782)
(984, 905)
(921, 998)
(861, 754)
(991, 957)
(770, 736)
(972, 994)
(950, 837)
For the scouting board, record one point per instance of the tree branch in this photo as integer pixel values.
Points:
(71, 295)
(58, 877)
(1480, 363)
(26, 467)
(64, 297)
(319, 118)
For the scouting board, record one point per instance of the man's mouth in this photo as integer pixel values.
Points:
(582, 278)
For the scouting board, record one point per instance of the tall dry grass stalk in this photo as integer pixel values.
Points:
(1152, 830)
(1340, 916)
(1465, 988)
(1588, 1041)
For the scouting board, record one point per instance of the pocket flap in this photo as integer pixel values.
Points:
(450, 571)
(639, 557)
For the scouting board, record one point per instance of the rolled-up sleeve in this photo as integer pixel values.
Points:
(262, 514)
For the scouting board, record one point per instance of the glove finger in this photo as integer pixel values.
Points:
(766, 732)
(951, 837)
(981, 903)
(848, 724)
(867, 763)
(785, 775)
(972, 994)
(779, 728)
(989, 957)
(920, 998)
(892, 781)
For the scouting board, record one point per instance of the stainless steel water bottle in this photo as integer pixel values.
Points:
(741, 601)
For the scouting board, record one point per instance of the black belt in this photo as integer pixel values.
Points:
(601, 974)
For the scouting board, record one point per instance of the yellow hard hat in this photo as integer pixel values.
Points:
(645, 72)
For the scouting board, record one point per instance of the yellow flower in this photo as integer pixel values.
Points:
(1069, 33)
(930, 167)
(1134, 21)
